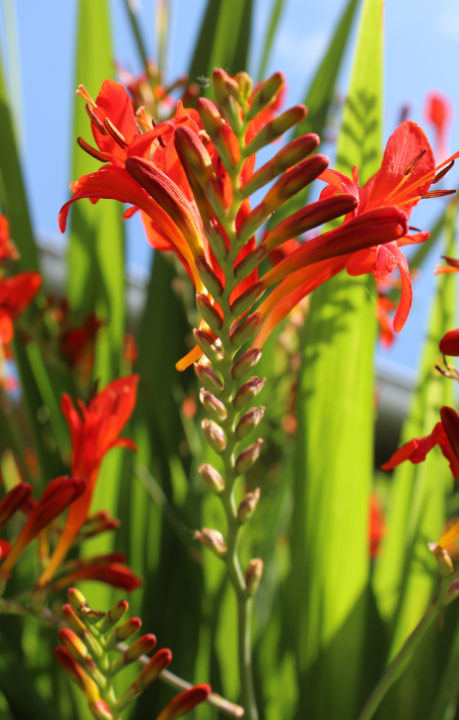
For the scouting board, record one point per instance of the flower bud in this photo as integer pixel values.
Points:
(73, 621)
(13, 500)
(210, 280)
(253, 575)
(224, 85)
(245, 363)
(142, 646)
(245, 301)
(121, 633)
(216, 240)
(275, 128)
(208, 312)
(212, 539)
(77, 674)
(444, 562)
(311, 216)
(450, 422)
(249, 422)
(191, 150)
(73, 644)
(289, 156)
(239, 334)
(214, 124)
(159, 662)
(248, 392)
(214, 435)
(100, 710)
(245, 84)
(76, 599)
(209, 346)
(250, 262)
(449, 344)
(248, 505)
(186, 701)
(214, 407)
(212, 478)
(114, 615)
(209, 378)
(265, 94)
(248, 457)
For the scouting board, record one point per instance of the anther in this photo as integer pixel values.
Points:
(115, 133)
(82, 92)
(437, 193)
(92, 151)
(442, 173)
(95, 120)
(411, 227)
(410, 167)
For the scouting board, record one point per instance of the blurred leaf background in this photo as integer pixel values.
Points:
(327, 618)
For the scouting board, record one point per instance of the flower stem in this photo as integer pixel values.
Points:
(395, 668)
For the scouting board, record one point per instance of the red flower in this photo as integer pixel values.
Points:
(449, 344)
(438, 112)
(93, 434)
(16, 293)
(185, 702)
(452, 267)
(377, 528)
(58, 495)
(8, 250)
(78, 346)
(370, 237)
(104, 568)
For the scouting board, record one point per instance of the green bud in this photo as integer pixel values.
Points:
(245, 301)
(250, 262)
(214, 407)
(274, 129)
(208, 311)
(210, 280)
(213, 540)
(239, 334)
(248, 505)
(248, 457)
(253, 575)
(248, 392)
(245, 363)
(210, 347)
(212, 478)
(265, 94)
(209, 378)
(249, 422)
(214, 435)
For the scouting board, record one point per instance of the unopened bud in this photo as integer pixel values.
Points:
(311, 216)
(253, 575)
(274, 129)
(209, 378)
(114, 615)
(214, 435)
(265, 94)
(292, 182)
(159, 662)
(450, 422)
(192, 152)
(248, 392)
(76, 599)
(248, 505)
(245, 84)
(216, 240)
(248, 457)
(13, 500)
(212, 478)
(245, 363)
(245, 301)
(249, 422)
(444, 562)
(210, 280)
(250, 262)
(186, 701)
(123, 632)
(142, 646)
(212, 539)
(215, 125)
(100, 710)
(209, 312)
(210, 347)
(77, 674)
(224, 85)
(73, 621)
(214, 407)
(289, 156)
(239, 334)
(73, 644)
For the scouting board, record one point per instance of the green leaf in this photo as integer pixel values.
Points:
(335, 436)
(223, 39)
(276, 12)
(96, 280)
(320, 97)
(406, 573)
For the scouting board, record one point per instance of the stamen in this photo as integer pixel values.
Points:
(82, 92)
(411, 227)
(427, 178)
(95, 120)
(437, 193)
(442, 173)
(410, 167)
(97, 154)
(115, 133)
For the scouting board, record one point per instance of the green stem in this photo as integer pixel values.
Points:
(397, 665)
(137, 34)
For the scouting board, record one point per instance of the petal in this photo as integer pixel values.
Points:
(449, 344)
(113, 102)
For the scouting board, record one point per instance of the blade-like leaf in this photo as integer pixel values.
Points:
(406, 573)
(335, 436)
(276, 12)
(223, 39)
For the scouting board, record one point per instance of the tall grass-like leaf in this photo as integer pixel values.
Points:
(223, 39)
(96, 281)
(320, 97)
(276, 12)
(406, 574)
(335, 436)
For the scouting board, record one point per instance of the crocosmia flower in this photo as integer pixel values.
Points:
(438, 112)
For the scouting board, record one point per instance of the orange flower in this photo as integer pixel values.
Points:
(16, 293)
(92, 434)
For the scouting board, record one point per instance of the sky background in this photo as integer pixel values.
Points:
(421, 46)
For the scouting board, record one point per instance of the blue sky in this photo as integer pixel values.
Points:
(422, 43)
